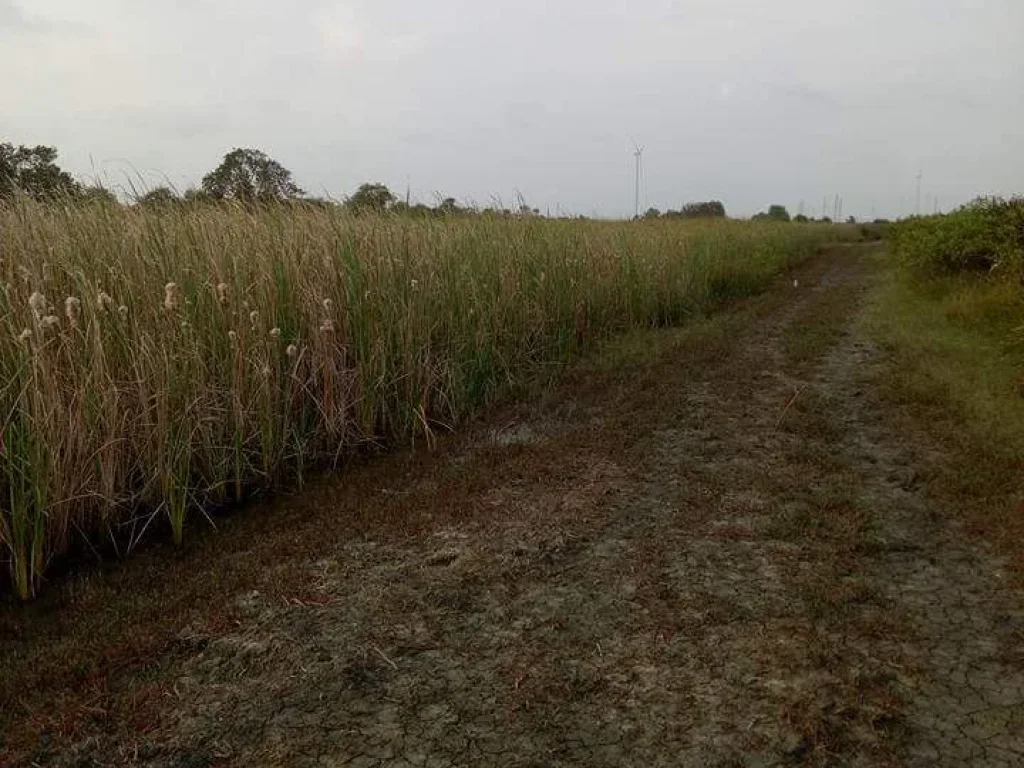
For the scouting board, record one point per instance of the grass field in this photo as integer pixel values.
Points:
(158, 364)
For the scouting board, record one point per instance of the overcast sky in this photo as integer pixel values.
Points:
(748, 101)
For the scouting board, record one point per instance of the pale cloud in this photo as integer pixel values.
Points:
(11, 16)
(26, 19)
(340, 34)
(747, 101)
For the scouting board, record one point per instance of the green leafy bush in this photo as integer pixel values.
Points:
(986, 235)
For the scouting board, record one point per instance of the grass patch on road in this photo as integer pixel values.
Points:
(953, 370)
(954, 356)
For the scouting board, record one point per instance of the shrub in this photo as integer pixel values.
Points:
(986, 235)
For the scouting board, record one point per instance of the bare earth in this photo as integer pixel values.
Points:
(718, 549)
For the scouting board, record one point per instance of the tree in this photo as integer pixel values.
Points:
(158, 196)
(778, 213)
(33, 171)
(800, 219)
(250, 176)
(97, 194)
(652, 213)
(194, 195)
(371, 197)
(712, 209)
(448, 207)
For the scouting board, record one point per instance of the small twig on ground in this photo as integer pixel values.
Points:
(381, 653)
(789, 405)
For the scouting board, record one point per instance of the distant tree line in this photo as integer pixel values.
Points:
(774, 213)
(246, 176)
(33, 172)
(250, 176)
(779, 213)
(712, 209)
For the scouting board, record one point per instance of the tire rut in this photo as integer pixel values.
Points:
(965, 693)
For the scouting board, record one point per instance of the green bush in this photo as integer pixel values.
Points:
(986, 235)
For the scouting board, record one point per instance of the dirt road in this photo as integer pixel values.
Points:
(713, 546)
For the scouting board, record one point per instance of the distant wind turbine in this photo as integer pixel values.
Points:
(638, 154)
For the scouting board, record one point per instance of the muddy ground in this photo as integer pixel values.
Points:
(710, 546)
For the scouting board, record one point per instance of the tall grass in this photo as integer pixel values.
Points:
(155, 363)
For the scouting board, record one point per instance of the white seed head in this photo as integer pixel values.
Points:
(327, 326)
(254, 318)
(222, 293)
(72, 308)
(328, 304)
(275, 333)
(414, 283)
(122, 311)
(292, 350)
(104, 301)
(233, 336)
(25, 335)
(50, 321)
(172, 296)
(266, 371)
(38, 304)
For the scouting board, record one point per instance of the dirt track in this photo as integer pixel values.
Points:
(723, 552)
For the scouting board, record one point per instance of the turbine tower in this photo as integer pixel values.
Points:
(638, 154)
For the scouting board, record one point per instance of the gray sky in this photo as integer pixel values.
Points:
(748, 101)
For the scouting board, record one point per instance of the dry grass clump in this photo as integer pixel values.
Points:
(157, 362)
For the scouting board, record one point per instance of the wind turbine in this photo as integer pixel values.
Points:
(638, 154)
